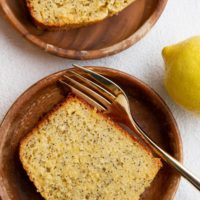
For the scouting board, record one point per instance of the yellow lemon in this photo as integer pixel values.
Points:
(182, 72)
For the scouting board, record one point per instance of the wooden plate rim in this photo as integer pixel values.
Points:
(83, 54)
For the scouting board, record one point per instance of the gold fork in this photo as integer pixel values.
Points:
(108, 97)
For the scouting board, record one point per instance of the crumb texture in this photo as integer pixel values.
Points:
(74, 12)
(76, 153)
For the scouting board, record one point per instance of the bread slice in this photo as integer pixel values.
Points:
(77, 153)
(73, 13)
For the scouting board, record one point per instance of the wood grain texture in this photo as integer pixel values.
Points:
(102, 39)
(147, 108)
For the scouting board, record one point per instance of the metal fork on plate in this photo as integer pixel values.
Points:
(108, 97)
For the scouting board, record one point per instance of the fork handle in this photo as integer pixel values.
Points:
(168, 158)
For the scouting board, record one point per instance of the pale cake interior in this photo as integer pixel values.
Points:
(74, 12)
(76, 153)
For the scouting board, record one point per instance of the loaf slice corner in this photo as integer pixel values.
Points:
(75, 152)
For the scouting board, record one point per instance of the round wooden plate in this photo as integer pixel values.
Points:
(105, 38)
(147, 108)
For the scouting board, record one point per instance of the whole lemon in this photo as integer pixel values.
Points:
(182, 73)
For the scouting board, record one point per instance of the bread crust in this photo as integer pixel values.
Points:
(72, 97)
(58, 27)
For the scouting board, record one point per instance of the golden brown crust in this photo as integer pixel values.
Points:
(46, 117)
(58, 27)
(72, 97)
(26, 168)
(55, 27)
(116, 125)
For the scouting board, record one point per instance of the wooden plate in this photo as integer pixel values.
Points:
(105, 38)
(147, 108)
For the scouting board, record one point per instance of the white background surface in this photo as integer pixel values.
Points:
(22, 64)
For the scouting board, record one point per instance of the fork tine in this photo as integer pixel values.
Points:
(105, 93)
(108, 84)
(88, 91)
(84, 96)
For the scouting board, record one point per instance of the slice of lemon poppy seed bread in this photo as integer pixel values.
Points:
(77, 153)
(73, 13)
